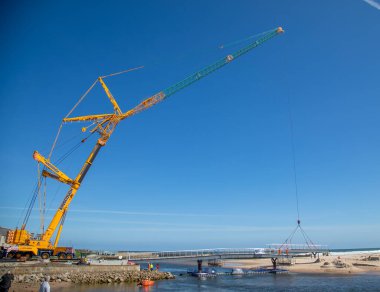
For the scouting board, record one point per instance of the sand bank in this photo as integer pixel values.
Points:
(353, 263)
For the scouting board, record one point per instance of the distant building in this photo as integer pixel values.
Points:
(3, 235)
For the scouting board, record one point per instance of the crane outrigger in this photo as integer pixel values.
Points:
(22, 242)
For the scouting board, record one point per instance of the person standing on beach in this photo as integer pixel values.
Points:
(6, 282)
(45, 286)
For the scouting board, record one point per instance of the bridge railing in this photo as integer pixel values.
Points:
(296, 248)
(207, 252)
(270, 249)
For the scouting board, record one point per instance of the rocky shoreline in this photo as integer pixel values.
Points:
(29, 278)
(100, 277)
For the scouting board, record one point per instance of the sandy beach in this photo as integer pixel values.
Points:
(353, 263)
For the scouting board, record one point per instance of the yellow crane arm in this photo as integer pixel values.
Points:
(58, 217)
(59, 175)
(88, 118)
(110, 96)
(99, 117)
(46, 173)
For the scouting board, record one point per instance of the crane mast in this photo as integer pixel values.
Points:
(105, 125)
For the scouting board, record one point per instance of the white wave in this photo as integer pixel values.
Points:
(364, 252)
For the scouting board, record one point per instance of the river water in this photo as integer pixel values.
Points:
(253, 282)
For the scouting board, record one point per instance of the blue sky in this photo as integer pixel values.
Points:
(211, 166)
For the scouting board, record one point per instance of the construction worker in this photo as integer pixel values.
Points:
(45, 286)
(6, 281)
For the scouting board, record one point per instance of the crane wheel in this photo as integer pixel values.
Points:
(62, 256)
(28, 256)
(10, 255)
(18, 255)
(45, 255)
(69, 256)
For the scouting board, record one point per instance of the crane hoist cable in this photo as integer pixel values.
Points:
(289, 239)
(72, 150)
(43, 199)
(122, 72)
(31, 204)
(307, 239)
(238, 42)
(69, 113)
(293, 149)
(36, 193)
(63, 143)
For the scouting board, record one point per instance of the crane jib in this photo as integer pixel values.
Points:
(218, 64)
(158, 97)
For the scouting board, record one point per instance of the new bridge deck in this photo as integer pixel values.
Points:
(271, 251)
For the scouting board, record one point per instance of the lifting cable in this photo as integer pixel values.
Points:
(308, 241)
(238, 42)
(31, 204)
(122, 72)
(289, 239)
(291, 125)
(36, 189)
(69, 113)
(42, 201)
(67, 141)
(24, 208)
(55, 195)
(70, 151)
(60, 160)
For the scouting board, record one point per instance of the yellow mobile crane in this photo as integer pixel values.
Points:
(21, 241)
